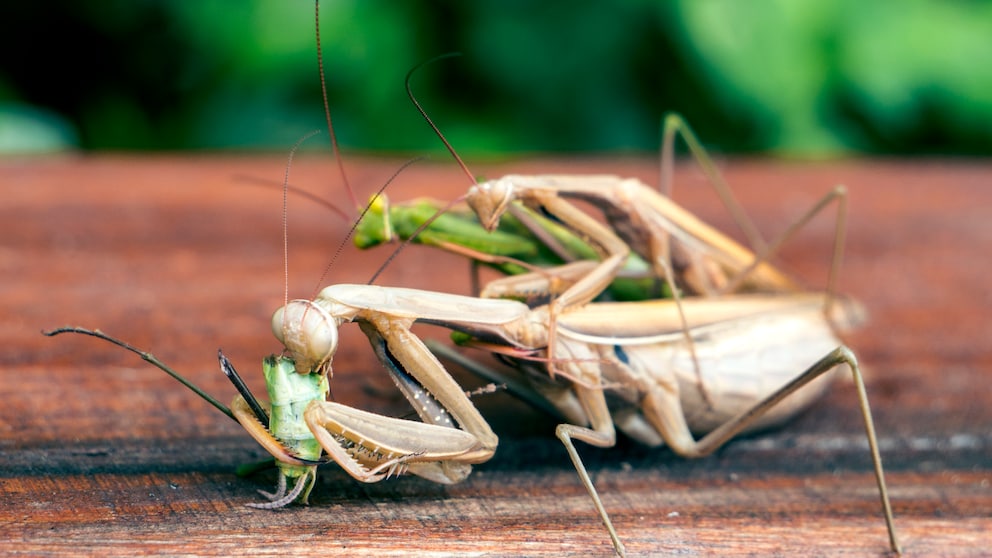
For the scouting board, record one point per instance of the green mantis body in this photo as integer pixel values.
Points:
(521, 242)
(289, 396)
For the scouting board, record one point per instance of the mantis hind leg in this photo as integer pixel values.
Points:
(672, 125)
(666, 415)
(565, 433)
(601, 434)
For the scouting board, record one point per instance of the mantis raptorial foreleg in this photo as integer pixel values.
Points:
(299, 425)
(490, 200)
(386, 316)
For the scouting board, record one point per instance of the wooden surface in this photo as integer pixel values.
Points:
(102, 454)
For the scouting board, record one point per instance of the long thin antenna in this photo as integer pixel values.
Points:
(266, 183)
(351, 231)
(416, 103)
(464, 167)
(147, 357)
(285, 216)
(327, 109)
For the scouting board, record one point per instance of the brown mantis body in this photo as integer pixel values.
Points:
(619, 358)
(659, 371)
(637, 378)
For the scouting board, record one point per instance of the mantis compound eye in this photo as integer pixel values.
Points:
(308, 332)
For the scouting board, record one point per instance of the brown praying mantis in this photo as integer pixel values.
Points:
(635, 377)
(689, 255)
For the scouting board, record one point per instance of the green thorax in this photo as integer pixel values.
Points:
(289, 395)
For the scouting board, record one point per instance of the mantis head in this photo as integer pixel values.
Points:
(489, 200)
(375, 226)
(309, 333)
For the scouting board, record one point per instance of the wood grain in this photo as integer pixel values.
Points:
(102, 454)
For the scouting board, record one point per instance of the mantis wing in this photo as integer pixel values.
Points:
(634, 323)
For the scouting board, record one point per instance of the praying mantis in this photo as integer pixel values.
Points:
(630, 378)
(675, 367)
(711, 265)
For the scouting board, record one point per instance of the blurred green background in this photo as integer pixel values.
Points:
(801, 78)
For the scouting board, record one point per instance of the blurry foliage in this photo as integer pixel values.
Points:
(807, 78)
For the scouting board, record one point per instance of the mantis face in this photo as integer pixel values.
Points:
(489, 200)
(309, 333)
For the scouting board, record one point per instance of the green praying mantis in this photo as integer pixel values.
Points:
(521, 242)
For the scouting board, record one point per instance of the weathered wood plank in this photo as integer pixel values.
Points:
(100, 453)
